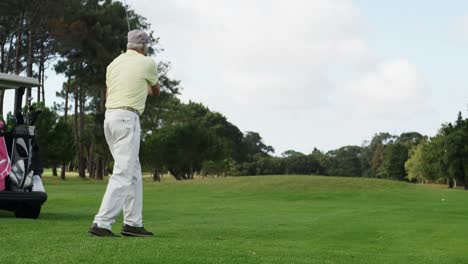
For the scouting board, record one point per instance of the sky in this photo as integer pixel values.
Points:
(316, 73)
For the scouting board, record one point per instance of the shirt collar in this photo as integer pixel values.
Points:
(132, 52)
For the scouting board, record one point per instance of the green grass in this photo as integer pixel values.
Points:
(288, 219)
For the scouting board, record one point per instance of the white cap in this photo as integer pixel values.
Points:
(138, 37)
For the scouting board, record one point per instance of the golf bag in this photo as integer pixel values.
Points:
(20, 146)
(5, 164)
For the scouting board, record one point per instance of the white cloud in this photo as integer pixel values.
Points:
(274, 66)
(391, 89)
(263, 51)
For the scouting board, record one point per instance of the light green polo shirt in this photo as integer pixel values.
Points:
(128, 78)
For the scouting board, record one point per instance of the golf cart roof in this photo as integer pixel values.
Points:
(11, 81)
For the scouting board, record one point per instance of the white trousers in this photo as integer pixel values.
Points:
(124, 190)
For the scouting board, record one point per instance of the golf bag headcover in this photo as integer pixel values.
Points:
(21, 152)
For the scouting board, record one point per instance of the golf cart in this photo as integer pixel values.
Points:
(21, 189)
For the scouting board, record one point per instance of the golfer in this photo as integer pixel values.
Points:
(130, 78)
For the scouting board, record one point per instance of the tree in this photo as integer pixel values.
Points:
(183, 148)
(188, 136)
(229, 136)
(159, 109)
(324, 162)
(393, 165)
(433, 152)
(377, 159)
(410, 139)
(448, 153)
(455, 150)
(151, 155)
(252, 144)
(25, 30)
(62, 146)
(46, 140)
(345, 161)
(416, 166)
(90, 36)
(373, 153)
(299, 163)
(266, 165)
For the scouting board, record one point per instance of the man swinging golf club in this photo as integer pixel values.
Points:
(130, 78)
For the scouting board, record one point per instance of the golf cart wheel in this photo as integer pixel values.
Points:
(28, 211)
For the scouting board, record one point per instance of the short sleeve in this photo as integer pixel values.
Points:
(152, 73)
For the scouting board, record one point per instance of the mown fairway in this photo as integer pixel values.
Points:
(288, 219)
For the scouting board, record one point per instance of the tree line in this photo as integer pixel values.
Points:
(407, 157)
(79, 38)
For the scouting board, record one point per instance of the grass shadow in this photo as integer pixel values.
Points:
(6, 214)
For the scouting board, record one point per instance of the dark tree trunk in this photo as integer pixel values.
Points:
(91, 161)
(62, 172)
(190, 174)
(9, 55)
(177, 175)
(81, 161)
(71, 167)
(92, 169)
(5, 65)
(29, 66)
(41, 67)
(451, 183)
(100, 169)
(39, 79)
(67, 88)
(18, 51)
(2, 54)
(19, 37)
(2, 96)
(42, 83)
(81, 165)
(75, 123)
(156, 175)
(54, 170)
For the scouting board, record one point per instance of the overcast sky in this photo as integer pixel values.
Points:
(316, 73)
